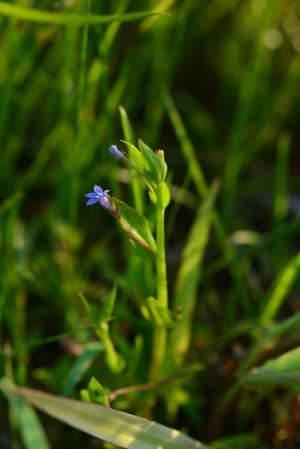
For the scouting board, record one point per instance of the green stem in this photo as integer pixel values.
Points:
(160, 333)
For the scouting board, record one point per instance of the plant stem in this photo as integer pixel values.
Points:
(160, 333)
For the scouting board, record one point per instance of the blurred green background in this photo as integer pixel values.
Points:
(215, 83)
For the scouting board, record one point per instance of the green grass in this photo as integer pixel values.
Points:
(215, 84)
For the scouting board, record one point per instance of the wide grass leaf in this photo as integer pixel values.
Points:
(111, 425)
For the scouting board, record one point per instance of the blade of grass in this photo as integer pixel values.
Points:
(251, 82)
(188, 277)
(68, 19)
(201, 187)
(289, 361)
(136, 183)
(281, 195)
(288, 379)
(32, 432)
(283, 370)
(281, 179)
(110, 425)
(268, 341)
(80, 126)
(280, 289)
(80, 366)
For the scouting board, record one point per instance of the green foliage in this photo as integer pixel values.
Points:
(155, 312)
(95, 393)
(189, 275)
(155, 168)
(34, 15)
(135, 226)
(282, 286)
(211, 281)
(283, 370)
(32, 432)
(119, 428)
(80, 366)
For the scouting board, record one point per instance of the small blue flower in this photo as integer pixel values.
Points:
(99, 196)
(116, 153)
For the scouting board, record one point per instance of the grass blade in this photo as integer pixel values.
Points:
(136, 183)
(200, 184)
(280, 289)
(32, 433)
(80, 366)
(188, 276)
(289, 361)
(68, 19)
(111, 425)
(274, 378)
(283, 370)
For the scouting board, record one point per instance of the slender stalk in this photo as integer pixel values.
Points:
(75, 177)
(160, 333)
(189, 371)
(162, 286)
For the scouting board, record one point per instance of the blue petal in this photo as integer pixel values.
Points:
(91, 195)
(91, 201)
(116, 153)
(98, 189)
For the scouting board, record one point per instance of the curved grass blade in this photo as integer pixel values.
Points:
(32, 433)
(111, 425)
(68, 19)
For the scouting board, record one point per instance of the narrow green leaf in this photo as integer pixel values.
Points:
(280, 289)
(285, 378)
(189, 275)
(90, 309)
(126, 125)
(32, 432)
(80, 366)
(136, 226)
(67, 19)
(137, 188)
(282, 370)
(268, 341)
(110, 425)
(108, 306)
(290, 361)
(187, 148)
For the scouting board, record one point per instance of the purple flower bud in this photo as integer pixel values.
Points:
(116, 153)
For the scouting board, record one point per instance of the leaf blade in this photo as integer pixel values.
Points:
(189, 273)
(111, 425)
(67, 19)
